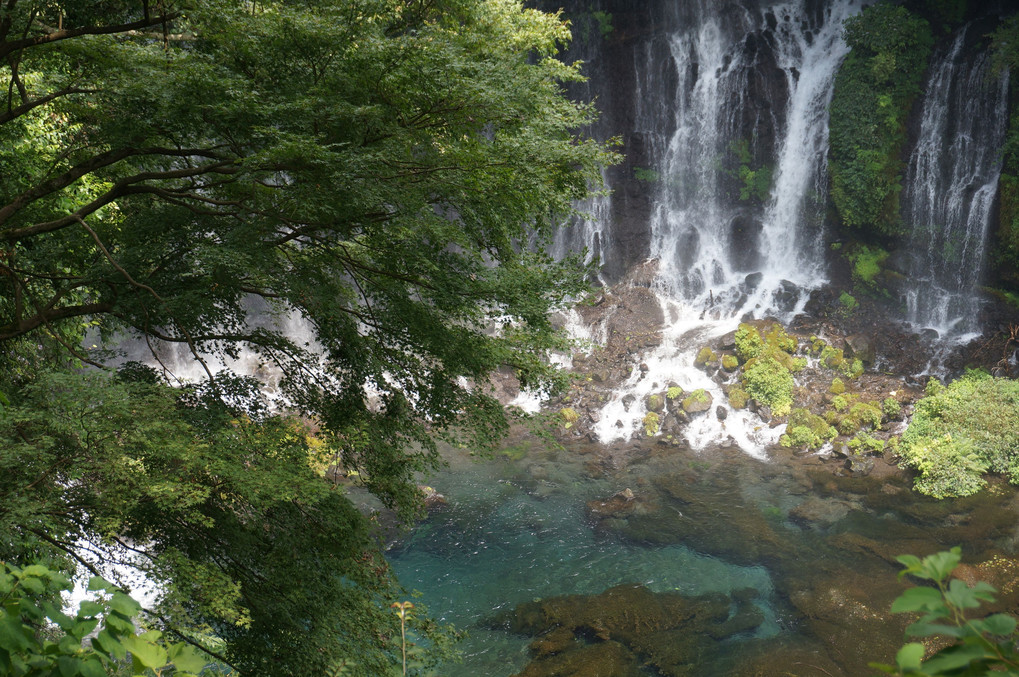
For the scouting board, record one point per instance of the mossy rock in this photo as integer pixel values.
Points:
(807, 430)
(738, 397)
(730, 363)
(673, 393)
(698, 401)
(705, 357)
(777, 337)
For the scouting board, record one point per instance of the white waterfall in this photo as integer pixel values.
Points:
(720, 258)
(951, 184)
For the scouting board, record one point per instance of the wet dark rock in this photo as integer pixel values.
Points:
(628, 401)
(605, 658)
(663, 630)
(752, 281)
(721, 413)
(859, 465)
(861, 347)
(819, 512)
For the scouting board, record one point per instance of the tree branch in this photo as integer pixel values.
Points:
(57, 35)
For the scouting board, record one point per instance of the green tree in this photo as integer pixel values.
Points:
(387, 172)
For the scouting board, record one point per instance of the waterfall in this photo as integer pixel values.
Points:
(951, 185)
(751, 104)
(736, 123)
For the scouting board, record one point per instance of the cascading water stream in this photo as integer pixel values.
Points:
(951, 185)
(753, 84)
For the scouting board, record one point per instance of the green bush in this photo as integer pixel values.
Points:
(771, 384)
(652, 423)
(961, 431)
(874, 90)
(749, 343)
(867, 263)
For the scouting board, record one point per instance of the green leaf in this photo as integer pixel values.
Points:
(96, 583)
(125, 605)
(146, 654)
(187, 658)
(954, 657)
(12, 634)
(91, 667)
(909, 656)
(924, 628)
(998, 624)
(961, 595)
(920, 598)
(109, 645)
(69, 666)
(89, 609)
(943, 563)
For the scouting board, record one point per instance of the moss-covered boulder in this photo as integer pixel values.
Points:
(807, 431)
(697, 402)
(730, 363)
(705, 357)
(655, 402)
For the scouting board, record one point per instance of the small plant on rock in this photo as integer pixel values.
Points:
(651, 423)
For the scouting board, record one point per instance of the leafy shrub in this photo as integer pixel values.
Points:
(749, 343)
(961, 431)
(867, 263)
(862, 443)
(771, 384)
(980, 644)
(891, 408)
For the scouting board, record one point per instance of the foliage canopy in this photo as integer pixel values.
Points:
(204, 178)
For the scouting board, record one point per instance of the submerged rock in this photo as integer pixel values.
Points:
(627, 626)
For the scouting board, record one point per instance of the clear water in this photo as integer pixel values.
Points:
(517, 529)
(516, 532)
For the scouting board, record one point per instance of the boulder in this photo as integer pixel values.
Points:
(859, 346)
(697, 402)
